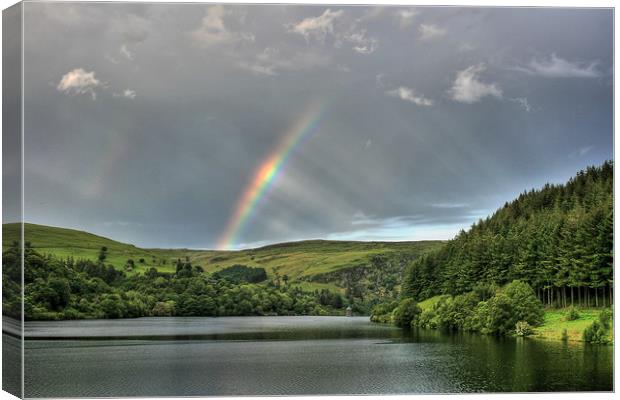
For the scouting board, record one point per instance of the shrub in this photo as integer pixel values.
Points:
(406, 314)
(595, 333)
(163, 309)
(499, 317)
(383, 312)
(526, 305)
(479, 319)
(71, 313)
(522, 328)
(428, 319)
(604, 318)
(485, 291)
(572, 314)
(516, 302)
(454, 313)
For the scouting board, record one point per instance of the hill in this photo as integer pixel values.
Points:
(312, 264)
(558, 239)
(541, 265)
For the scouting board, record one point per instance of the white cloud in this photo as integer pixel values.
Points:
(213, 30)
(361, 43)
(271, 61)
(395, 228)
(127, 93)
(259, 69)
(111, 59)
(405, 17)
(556, 67)
(317, 27)
(449, 205)
(126, 52)
(408, 94)
(332, 24)
(523, 102)
(468, 88)
(429, 31)
(79, 81)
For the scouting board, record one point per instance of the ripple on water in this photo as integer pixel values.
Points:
(355, 357)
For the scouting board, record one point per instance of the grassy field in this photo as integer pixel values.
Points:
(298, 260)
(555, 322)
(430, 302)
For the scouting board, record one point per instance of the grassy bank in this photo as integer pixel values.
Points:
(554, 323)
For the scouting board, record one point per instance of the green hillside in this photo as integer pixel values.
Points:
(63, 243)
(307, 264)
(558, 239)
(541, 265)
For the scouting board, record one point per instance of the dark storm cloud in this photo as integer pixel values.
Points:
(146, 123)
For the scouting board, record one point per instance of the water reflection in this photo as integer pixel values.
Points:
(298, 355)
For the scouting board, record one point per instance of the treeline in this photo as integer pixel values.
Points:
(487, 309)
(241, 273)
(558, 240)
(75, 289)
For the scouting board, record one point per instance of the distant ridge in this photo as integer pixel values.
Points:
(300, 260)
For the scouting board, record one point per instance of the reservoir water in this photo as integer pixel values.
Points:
(293, 356)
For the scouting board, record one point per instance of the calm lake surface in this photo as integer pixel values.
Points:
(294, 356)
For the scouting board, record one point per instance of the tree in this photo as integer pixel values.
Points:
(516, 302)
(558, 239)
(103, 254)
(163, 309)
(406, 313)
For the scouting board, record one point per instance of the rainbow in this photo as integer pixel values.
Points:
(267, 173)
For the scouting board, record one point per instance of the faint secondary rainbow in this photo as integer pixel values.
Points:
(268, 172)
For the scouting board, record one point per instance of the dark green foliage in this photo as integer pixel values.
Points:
(372, 282)
(456, 313)
(526, 306)
(514, 304)
(605, 318)
(572, 314)
(406, 313)
(68, 289)
(382, 312)
(595, 333)
(558, 239)
(523, 328)
(328, 298)
(241, 273)
(103, 254)
(11, 281)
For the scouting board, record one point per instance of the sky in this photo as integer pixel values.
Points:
(210, 126)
